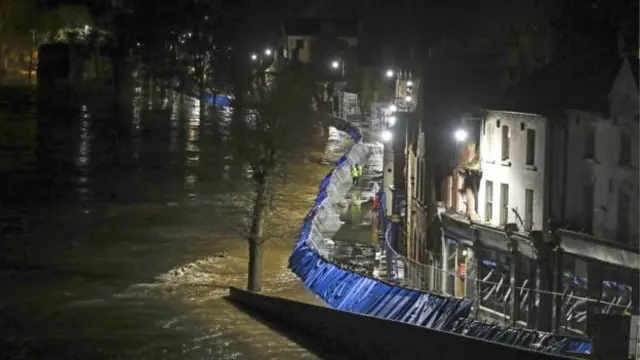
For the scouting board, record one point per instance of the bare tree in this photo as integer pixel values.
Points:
(278, 128)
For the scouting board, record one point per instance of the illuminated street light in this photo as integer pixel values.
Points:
(335, 64)
(460, 135)
(254, 57)
(393, 108)
(386, 135)
(268, 52)
(408, 98)
(392, 120)
(409, 83)
(389, 73)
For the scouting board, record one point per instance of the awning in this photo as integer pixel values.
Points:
(593, 249)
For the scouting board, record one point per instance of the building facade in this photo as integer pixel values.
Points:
(512, 189)
(513, 243)
(602, 182)
(299, 36)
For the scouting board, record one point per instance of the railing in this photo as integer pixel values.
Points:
(492, 298)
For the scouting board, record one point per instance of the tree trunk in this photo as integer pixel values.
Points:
(202, 96)
(260, 210)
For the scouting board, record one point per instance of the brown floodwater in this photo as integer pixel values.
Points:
(124, 230)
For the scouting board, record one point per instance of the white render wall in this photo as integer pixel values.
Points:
(604, 172)
(513, 172)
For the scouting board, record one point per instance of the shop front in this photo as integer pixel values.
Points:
(597, 278)
(458, 266)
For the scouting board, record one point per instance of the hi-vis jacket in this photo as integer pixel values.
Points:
(354, 172)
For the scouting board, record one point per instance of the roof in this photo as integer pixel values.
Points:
(313, 26)
(560, 86)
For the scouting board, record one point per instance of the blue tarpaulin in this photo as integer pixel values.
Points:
(350, 291)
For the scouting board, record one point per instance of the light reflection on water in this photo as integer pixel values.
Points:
(143, 271)
(84, 155)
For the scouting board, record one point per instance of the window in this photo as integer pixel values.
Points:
(490, 142)
(625, 147)
(504, 203)
(623, 216)
(488, 201)
(531, 146)
(505, 143)
(528, 211)
(590, 143)
(588, 208)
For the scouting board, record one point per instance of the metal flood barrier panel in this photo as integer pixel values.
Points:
(350, 291)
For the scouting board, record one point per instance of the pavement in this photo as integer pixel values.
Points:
(356, 242)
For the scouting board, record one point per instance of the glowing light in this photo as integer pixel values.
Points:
(254, 57)
(386, 135)
(408, 98)
(268, 52)
(460, 135)
(409, 83)
(389, 73)
(335, 64)
(393, 108)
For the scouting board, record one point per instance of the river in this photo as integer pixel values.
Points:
(123, 231)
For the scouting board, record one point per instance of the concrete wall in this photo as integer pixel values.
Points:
(364, 337)
(513, 171)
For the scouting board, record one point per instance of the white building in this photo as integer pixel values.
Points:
(602, 177)
(299, 35)
(512, 148)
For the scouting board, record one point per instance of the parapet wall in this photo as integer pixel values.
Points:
(369, 337)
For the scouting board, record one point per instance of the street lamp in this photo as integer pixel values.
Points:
(386, 135)
(254, 57)
(460, 135)
(338, 64)
(389, 73)
(268, 52)
(393, 108)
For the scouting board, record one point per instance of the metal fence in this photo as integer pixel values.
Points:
(491, 293)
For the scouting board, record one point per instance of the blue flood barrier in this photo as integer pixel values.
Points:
(350, 291)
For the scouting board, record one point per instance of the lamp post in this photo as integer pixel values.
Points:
(387, 186)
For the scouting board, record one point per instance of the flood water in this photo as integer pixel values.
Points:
(122, 231)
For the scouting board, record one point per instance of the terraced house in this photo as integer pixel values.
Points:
(551, 211)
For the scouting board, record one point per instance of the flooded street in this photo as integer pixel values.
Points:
(123, 232)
